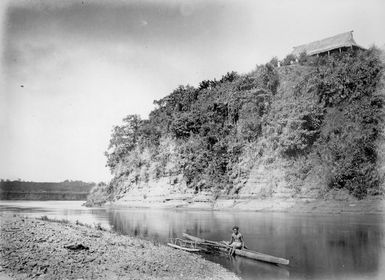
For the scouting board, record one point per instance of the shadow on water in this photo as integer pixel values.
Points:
(318, 246)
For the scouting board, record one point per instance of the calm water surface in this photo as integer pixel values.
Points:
(318, 246)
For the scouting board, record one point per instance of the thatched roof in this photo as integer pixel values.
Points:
(338, 41)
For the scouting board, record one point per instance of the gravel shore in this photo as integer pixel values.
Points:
(339, 205)
(37, 249)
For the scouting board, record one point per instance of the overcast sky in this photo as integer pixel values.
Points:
(71, 71)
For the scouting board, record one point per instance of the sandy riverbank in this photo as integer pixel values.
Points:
(36, 249)
(330, 205)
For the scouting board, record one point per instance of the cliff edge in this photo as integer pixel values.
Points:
(301, 132)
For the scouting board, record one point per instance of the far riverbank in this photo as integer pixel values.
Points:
(337, 203)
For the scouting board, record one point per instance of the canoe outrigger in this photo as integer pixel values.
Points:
(182, 244)
(244, 252)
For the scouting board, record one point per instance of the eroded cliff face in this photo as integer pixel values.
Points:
(156, 178)
(296, 131)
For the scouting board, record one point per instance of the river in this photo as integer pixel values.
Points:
(318, 246)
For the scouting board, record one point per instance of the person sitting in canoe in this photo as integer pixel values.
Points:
(236, 241)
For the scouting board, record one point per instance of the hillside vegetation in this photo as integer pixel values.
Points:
(298, 130)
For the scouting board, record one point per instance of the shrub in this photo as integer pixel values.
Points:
(288, 60)
(274, 61)
(303, 58)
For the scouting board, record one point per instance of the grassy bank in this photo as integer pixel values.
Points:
(46, 249)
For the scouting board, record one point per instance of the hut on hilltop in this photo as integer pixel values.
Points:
(337, 43)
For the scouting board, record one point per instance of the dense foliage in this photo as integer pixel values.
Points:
(329, 122)
(346, 86)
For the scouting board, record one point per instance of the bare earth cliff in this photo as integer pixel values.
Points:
(278, 138)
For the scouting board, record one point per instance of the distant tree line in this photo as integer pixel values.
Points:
(26, 190)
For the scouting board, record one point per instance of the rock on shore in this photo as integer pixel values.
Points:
(36, 249)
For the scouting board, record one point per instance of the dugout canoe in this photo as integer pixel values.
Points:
(244, 252)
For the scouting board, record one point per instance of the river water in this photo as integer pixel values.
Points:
(318, 246)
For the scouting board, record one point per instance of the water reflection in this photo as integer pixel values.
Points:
(318, 247)
(68, 210)
(323, 247)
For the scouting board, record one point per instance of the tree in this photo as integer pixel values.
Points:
(303, 58)
(123, 139)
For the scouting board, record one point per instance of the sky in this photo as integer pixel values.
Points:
(71, 70)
